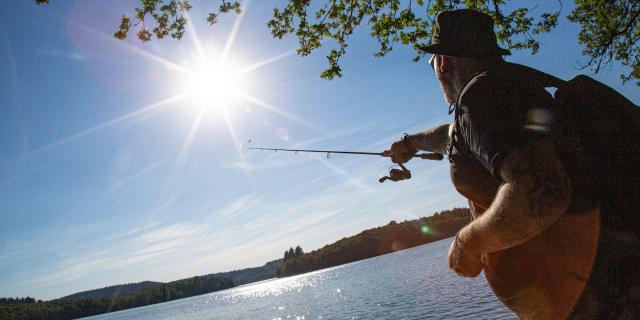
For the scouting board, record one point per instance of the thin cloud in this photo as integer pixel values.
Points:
(123, 181)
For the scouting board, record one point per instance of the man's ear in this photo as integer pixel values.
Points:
(444, 64)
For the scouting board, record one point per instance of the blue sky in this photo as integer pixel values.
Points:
(108, 175)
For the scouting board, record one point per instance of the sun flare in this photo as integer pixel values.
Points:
(214, 86)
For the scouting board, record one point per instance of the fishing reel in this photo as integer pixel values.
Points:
(397, 174)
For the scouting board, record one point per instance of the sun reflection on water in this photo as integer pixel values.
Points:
(275, 287)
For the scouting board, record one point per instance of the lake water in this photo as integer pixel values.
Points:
(410, 284)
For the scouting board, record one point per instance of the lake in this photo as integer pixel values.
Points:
(409, 284)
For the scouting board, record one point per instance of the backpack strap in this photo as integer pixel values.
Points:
(456, 139)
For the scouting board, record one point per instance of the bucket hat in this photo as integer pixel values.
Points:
(464, 33)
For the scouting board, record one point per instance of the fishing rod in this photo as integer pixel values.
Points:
(394, 174)
(426, 156)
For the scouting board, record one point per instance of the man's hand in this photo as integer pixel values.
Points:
(401, 151)
(463, 263)
(431, 140)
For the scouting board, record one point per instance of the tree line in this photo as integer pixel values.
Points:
(292, 253)
(111, 291)
(17, 300)
(377, 241)
(28, 308)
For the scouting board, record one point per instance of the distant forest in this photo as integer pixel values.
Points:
(131, 295)
(377, 241)
(28, 308)
(248, 275)
(369, 243)
(112, 291)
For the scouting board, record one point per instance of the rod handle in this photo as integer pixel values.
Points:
(429, 156)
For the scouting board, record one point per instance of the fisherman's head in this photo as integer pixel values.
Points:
(462, 43)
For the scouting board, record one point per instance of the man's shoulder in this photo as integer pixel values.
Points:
(479, 83)
(501, 83)
(485, 87)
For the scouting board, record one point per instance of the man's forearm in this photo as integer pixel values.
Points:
(536, 193)
(435, 139)
(506, 223)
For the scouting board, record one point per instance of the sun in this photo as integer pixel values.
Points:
(214, 85)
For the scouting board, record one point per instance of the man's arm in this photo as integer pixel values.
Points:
(535, 193)
(432, 140)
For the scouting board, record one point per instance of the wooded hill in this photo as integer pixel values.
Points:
(239, 277)
(377, 241)
(112, 291)
(77, 308)
(132, 295)
(248, 275)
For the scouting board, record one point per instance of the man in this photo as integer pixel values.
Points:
(531, 232)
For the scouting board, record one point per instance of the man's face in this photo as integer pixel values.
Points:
(444, 77)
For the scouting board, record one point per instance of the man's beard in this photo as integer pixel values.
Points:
(448, 90)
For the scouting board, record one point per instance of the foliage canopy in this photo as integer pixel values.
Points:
(610, 29)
